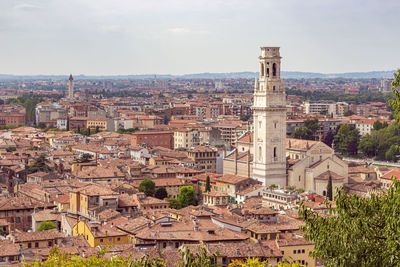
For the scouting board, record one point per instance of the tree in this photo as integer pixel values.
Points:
(312, 125)
(307, 132)
(174, 203)
(301, 133)
(346, 140)
(40, 164)
(329, 189)
(187, 196)
(85, 157)
(348, 113)
(395, 103)
(46, 225)
(161, 193)
(328, 140)
(377, 125)
(208, 186)
(392, 153)
(358, 231)
(148, 187)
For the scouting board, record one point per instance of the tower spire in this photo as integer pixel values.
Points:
(71, 87)
(269, 161)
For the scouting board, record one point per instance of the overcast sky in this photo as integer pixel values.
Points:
(106, 37)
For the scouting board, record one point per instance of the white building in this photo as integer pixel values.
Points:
(269, 163)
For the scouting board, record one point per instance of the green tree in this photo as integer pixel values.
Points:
(161, 193)
(174, 203)
(395, 103)
(187, 196)
(148, 187)
(348, 113)
(208, 186)
(307, 132)
(85, 157)
(369, 145)
(346, 140)
(46, 225)
(329, 189)
(377, 125)
(358, 231)
(40, 164)
(301, 133)
(392, 153)
(328, 140)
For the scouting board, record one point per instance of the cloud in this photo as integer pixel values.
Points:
(111, 29)
(26, 7)
(178, 30)
(181, 30)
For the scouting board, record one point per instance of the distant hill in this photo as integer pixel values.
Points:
(206, 75)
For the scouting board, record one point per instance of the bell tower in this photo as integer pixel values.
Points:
(269, 109)
(71, 87)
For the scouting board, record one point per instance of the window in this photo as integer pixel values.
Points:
(303, 251)
(29, 245)
(275, 153)
(36, 244)
(274, 69)
(50, 243)
(262, 69)
(164, 245)
(176, 244)
(299, 178)
(294, 251)
(101, 240)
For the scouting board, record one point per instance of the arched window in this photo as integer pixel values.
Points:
(275, 154)
(273, 88)
(259, 153)
(274, 69)
(262, 70)
(267, 72)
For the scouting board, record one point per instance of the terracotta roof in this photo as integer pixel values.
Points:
(325, 176)
(46, 215)
(8, 248)
(64, 199)
(37, 236)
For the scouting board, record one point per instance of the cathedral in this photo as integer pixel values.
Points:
(266, 155)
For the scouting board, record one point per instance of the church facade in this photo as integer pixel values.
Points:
(267, 156)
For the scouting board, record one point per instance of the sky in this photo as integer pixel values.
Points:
(111, 37)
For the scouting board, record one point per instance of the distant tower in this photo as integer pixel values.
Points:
(269, 162)
(71, 87)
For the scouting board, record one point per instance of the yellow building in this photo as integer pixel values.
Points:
(205, 158)
(84, 201)
(171, 185)
(296, 249)
(62, 203)
(97, 234)
(101, 123)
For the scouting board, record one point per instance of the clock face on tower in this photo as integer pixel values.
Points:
(269, 111)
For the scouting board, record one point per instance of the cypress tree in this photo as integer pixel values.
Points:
(208, 186)
(329, 190)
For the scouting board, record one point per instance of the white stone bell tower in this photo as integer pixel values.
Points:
(269, 161)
